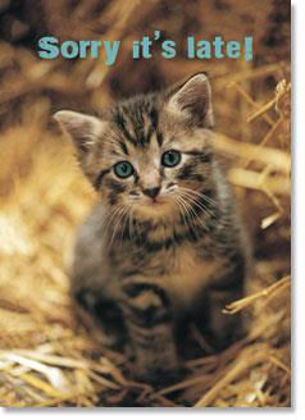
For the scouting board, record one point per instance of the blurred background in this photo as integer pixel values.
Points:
(48, 358)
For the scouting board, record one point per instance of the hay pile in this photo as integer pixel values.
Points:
(48, 358)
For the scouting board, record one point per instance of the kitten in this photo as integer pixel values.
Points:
(164, 248)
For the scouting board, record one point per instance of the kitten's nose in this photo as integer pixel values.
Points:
(152, 192)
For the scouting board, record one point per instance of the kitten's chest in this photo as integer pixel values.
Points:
(182, 272)
(188, 276)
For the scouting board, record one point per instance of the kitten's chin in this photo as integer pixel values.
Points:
(155, 209)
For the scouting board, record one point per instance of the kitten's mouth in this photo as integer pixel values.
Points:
(155, 202)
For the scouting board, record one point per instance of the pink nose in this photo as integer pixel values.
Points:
(152, 192)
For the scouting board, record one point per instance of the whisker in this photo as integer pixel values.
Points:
(200, 194)
(191, 214)
(184, 211)
(117, 225)
(194, 217)
(195, 194)
(198, 204)
(125, 222)
(107, 222)
(130, 226)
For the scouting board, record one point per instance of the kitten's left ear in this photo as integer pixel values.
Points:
(193, 99)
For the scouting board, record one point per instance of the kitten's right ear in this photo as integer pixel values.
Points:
(84, 129)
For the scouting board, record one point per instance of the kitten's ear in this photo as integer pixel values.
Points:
(193, 99)
(84, 129)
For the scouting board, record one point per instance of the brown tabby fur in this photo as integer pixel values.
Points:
(145, 267)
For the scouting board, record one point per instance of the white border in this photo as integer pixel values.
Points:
(298, 248)
(298, 251)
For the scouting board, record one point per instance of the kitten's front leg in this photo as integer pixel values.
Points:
(106, 320)
(221, 329)
(150, 325)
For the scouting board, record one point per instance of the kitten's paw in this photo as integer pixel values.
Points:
(232, 331)
(103, 318)
(112, 341)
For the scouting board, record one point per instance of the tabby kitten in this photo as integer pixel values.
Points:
(164, 248)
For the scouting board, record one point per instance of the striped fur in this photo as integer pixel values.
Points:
(147, 268)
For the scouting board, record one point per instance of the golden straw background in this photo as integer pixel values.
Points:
(47, 356)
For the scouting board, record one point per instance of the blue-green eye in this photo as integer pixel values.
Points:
(123, 169)
(171, 158)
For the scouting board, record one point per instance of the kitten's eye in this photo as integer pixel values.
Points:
(171, 158)
(123, 169)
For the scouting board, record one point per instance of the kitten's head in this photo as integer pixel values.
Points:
(149, 155)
